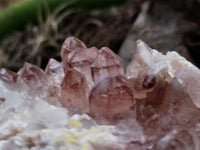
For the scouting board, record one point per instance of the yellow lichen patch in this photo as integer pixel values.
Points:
(69, 138)
(85, 131)
(77, 134)
(66, 137)
(75, 123)
(94, 141)
(95, 130)
(104, 134)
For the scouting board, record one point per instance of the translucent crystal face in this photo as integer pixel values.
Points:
(54, 66)
(106, 63)
(69, 46)
(32, 79)
(81, 61)
(111, 100)
(75, 92)
(86, 102)
(55, 74)
(32, 74)
(8, 76)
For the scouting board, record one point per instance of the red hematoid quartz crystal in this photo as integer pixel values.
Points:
(111, 100)
(75, 92)
(160, 92)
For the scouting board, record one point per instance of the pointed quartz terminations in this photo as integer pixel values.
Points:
(86, 64)
(187, 75)
(141, 61)
(181, 103)
(107, 63)
(177, 109)
(71, 45)
(146, 74)
(189, 78)
(33, 79)
(8, 77)
(32, 74)
(54, 67)
(75, 55)
(177, 62)
(91, 62)
(75, 92)
(182, 98)
(82, 61)
(111, 100)
(156, 106)
(55, 74)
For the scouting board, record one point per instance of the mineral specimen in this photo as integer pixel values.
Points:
(106, 63)
(111, 100)
(81, 60)
(8, 76)
(75, 92)
(55, 74)
(69, 46)
(86, 102)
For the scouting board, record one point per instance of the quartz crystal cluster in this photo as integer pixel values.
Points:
(88, 102)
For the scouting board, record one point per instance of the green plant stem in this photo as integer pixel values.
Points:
(17, 16)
